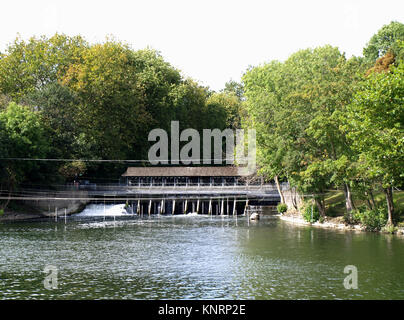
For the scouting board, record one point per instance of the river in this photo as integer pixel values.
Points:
(114, 255)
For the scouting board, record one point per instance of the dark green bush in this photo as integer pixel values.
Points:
(311, 213)
(282, 207)
(389, 229)
(353, 216)
(372, 220)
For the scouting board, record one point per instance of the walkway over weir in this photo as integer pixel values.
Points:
(169, 190)
(221, 189)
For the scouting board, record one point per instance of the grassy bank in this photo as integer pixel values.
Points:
(335, 202)
(336, 214)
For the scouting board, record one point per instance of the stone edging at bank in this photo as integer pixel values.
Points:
(326, 224)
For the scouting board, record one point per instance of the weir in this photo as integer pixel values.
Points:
(172, 206)
(184, 190)
(166, 190)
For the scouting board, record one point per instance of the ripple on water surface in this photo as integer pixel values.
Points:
(193, 257)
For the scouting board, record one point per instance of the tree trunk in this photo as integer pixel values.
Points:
(348, 198)
(369, 204)
(293, 193)
(320, 206)
(390, 205)
(368, 200)
(373, 199)
(279, 189)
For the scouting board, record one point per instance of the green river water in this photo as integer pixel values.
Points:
(194, 257)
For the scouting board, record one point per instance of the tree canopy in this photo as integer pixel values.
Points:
(384, 40)
(98, 101)
(324, 121)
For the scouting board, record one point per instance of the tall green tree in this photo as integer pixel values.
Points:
(383, 41)
(29, 65)
(263, 91)
(376, 118)
(111, 108)
(235, 88)
(231, 103)
(22, 136)
(296, 108)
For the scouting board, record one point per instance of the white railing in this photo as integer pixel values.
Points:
(263, 187)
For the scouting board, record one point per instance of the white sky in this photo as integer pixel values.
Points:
(209, 41)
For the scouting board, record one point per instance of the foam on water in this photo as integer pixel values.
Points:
(192, 214)
(95, 210)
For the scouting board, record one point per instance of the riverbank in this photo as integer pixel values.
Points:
(336, 223)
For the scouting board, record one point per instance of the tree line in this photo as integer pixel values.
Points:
(63, 98)
(324, 121)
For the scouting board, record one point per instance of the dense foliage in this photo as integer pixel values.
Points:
(62, 98)
(310, 212)
(281, 207)
(324, 121)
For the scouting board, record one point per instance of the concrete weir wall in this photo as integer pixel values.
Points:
(59, 202)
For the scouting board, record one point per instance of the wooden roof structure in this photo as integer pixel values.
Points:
(226, 171)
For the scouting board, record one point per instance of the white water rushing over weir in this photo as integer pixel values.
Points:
(113, 210)
(99, 210)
